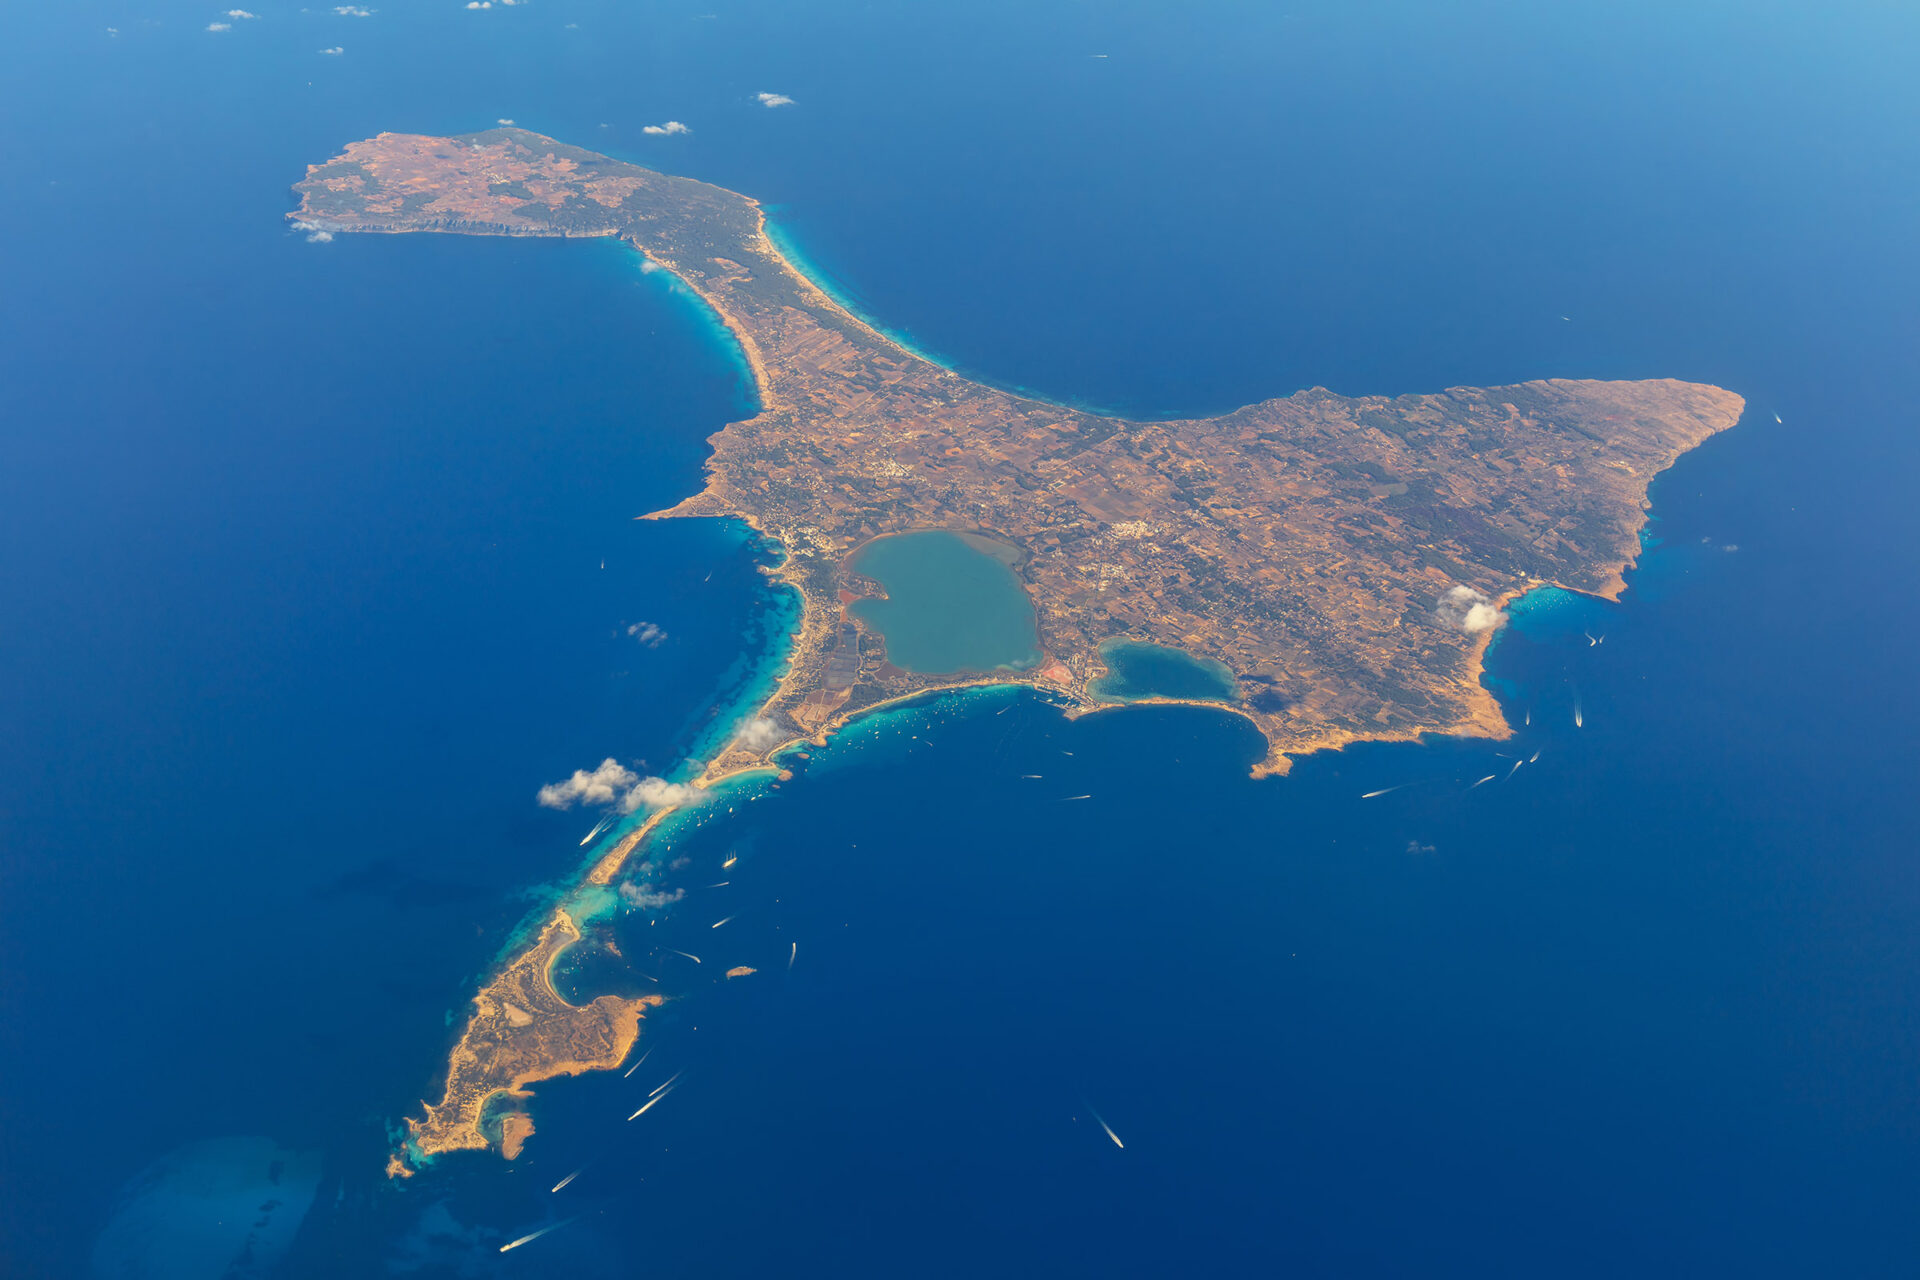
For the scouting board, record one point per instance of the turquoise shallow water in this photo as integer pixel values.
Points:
(1137, 670)
(950, 606)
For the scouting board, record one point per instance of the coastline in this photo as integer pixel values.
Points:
(1071, 702)
(490, 1061)
(786, 246)
(716, 499)
(1322, 726)
(1486, 719)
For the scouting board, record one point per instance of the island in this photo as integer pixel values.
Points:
(1345, 560)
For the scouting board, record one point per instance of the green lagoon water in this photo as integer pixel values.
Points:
(952, 605)
(1138, 670)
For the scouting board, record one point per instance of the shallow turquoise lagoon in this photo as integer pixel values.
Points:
(1138, 670)
(952, 604)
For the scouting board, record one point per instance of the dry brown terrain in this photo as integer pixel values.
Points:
(1309, 542)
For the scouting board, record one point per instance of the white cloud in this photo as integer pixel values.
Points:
(503, 120)
(479, 4)
(606, 784)
(658, 793)
(671, 126)
(648, 898)
(354, 11)
(774, 99)
(650, 634)
(316, 234)
(757, 734)
(1469, 611)
(648, 266)
(615, 783)
(334, 52)
(241, 13)
(219, 26)
(612, 783)
(1484, 617)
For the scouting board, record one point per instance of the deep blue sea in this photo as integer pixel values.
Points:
(317, 560)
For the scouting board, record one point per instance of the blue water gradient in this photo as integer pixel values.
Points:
(300, 550)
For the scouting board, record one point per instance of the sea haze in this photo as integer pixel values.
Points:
(300, 561)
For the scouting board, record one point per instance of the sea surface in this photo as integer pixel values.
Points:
(317, 560)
